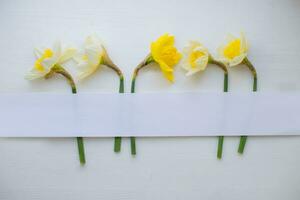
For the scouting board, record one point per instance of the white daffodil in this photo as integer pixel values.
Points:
(47, 58)
(196, 58)
(91, 58)
(235, 51)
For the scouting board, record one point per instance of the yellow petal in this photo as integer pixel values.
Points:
(168, 75)
(39, 65)
(232, 49)
(165, 54)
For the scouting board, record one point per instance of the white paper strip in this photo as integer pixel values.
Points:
(149, 114)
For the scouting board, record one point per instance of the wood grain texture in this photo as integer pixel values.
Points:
(164, 168)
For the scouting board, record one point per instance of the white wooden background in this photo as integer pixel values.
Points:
(164, 168)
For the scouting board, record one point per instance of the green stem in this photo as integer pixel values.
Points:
(242, 144)
(80, 145)
(221, 138)
(60, 70)
(132, 146)
(225, 89)
(243, 138)
(109, 63)
(220, 147)
(118, 140)
(132, 139)
(144, 63)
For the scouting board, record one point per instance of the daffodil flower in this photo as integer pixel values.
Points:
(234, 53)
(48, 58)
(196, 58)
(49, 62)
(90, 60)
(164, 53)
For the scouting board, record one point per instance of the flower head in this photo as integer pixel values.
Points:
(196, 58)
(234, 52)
(165, 54)
(91, 58)
(47, 58)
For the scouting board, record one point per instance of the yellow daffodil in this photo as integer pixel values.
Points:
(165, 54)
(91, 58)
(235, 51)
(196, 58)
(47, 58)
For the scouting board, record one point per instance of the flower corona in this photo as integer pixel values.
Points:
(195, 58)
(47, 58)
(165, 54)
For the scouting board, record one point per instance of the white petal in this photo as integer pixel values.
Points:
(57, 48)
(186, 66)
(93, 54)
(202, 49)
(220, 51)
(93, 40)
(34, 74)
(190, 46)
(230, 38)
(48, 63)
(38, 52)
(78, 57)
(194, 43)
(224, 60)
(191, 72)
(87, 72)
(202, 62)
(67, 55)
(83, 66)
(244, 43)
(237, 60)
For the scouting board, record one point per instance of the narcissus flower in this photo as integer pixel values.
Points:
(91, 58)
(165, 54)
(196, 58)
(47, 58)
(49, 63)
(235, 51)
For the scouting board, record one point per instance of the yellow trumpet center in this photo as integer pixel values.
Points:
(38, 63)
(233, 49)
(85, 57)
(165, 54)
(194, 56)
(169, 55)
